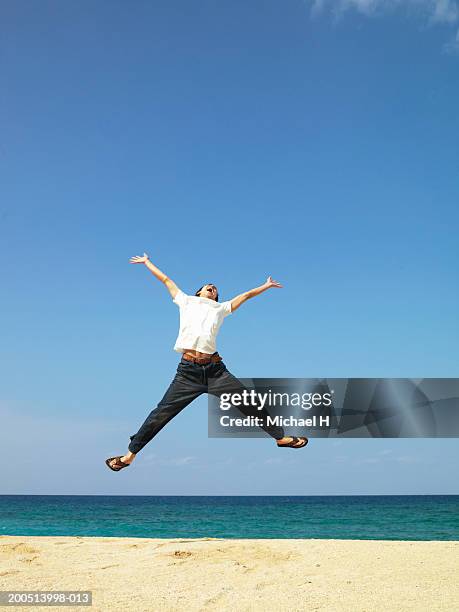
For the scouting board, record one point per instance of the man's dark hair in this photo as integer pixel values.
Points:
(200, 289)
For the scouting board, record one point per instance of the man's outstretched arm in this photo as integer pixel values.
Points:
(243, 297)
(171, 286)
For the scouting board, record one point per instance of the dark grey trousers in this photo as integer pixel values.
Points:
(191, 381)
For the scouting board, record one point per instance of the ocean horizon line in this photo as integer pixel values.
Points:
(233, 495)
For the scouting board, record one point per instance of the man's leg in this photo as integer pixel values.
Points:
(225, 382)
(184, 388)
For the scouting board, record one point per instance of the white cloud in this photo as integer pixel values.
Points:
(453, 45)
(154, 460)
(408, 459)
(279, 461)
(444, 12)
(366, 7)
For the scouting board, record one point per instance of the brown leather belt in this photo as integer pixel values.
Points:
(215, 358)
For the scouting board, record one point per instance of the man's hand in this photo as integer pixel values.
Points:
(171, 286)
(137, 259)
(240, 299)
(271, 283)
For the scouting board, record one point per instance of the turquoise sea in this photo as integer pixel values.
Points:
(417, 517)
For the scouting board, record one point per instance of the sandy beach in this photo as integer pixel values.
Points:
(219, 574)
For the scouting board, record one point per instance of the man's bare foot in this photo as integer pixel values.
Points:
(292, 442)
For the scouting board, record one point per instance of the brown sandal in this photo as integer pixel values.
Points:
(294, 443)
(118, 465)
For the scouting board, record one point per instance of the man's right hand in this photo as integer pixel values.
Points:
(171, 286)
(139, 260)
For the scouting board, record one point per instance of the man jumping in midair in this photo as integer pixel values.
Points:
(201, 369)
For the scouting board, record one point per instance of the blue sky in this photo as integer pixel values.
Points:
(316, 143)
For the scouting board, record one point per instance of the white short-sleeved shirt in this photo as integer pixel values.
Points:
(200, 320)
